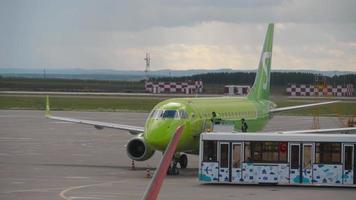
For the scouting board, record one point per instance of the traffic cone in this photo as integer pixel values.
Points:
(148, 173)
(133, 165)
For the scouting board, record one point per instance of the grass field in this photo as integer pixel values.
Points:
(87, 103)
(146, 103)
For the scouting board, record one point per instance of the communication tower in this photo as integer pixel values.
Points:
(148, 62)
(320, 85)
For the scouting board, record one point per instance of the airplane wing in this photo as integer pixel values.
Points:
(275, 110)
(99, 125)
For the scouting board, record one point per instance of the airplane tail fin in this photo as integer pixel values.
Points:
(261, 86)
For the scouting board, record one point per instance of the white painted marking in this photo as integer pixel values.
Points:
(75, 154)
(76, 177)
(12, 138)
(32, 190)
(56, 122)
(62, 194)
(17, 182)
(85, 198)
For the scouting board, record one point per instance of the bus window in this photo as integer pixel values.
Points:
(209, 151)
(348, 157)
(247, 152)
(236, 158)
(267, 152)
(224, 155)
(328, 153)
(307, 157)
(295, 157)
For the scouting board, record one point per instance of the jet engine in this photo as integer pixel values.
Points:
(137, 149)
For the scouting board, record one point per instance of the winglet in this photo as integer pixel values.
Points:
(47, 112)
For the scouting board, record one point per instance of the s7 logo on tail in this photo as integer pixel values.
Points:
(265, 56)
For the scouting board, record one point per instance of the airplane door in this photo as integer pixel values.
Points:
(224, 160)
(349, 164)
(236, 158)
(295, 161)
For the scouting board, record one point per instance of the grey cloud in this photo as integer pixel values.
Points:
(110, 33)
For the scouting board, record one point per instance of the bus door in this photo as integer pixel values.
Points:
(349, 164)
(236, 158)
(301, 163)
(224, 160)
(294, 160)
(307, 163)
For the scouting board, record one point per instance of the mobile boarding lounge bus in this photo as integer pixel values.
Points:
(274, 158)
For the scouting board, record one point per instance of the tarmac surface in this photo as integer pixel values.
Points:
(45, 159)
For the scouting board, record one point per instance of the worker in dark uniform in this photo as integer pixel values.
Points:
(215, 119)
(244, 126)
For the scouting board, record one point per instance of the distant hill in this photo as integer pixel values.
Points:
(108, 74)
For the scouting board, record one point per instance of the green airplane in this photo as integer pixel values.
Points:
(199, 115)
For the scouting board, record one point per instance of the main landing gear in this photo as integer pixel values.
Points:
(182, 159)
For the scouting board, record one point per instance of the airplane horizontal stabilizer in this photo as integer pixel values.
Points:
(275, 110)
(345, 130)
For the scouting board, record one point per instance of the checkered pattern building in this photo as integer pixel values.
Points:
(238, 90)
(189, 87)
(312, 90)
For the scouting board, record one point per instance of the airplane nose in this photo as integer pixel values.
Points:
(158, 136)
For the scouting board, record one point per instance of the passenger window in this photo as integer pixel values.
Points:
(328, 153)
(267, 152)
(307, 157)
(224, 155)
(209, 151)
(348, 157)
(295, 157)
(236, 158)
(247, 152)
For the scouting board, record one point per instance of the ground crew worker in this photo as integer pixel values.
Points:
(215, 119)
(244, 126)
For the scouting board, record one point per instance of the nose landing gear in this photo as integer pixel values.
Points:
(182, 159)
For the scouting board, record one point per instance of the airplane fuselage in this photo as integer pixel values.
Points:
(196, 116)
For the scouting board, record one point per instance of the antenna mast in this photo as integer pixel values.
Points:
(148, 62)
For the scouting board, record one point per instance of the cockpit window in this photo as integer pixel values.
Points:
(183, 114)
(156, 114)
(170, 114)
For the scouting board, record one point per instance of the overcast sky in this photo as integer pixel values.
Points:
(185, 34)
